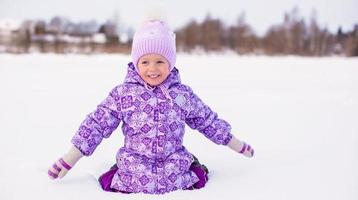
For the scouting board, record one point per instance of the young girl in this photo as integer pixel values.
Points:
(154, 107)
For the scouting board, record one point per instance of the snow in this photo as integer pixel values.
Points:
(300, 115)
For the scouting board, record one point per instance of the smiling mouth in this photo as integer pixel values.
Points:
(153, 76)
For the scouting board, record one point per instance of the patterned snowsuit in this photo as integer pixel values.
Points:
(153, 158)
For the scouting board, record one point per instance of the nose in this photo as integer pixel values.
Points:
(152, 66)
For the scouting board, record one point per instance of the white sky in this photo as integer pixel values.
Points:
(259, 14)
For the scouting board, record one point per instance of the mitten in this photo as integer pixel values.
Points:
(241, 147)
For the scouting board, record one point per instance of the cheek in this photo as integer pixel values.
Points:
(165, 74)
(140, 68)
(142, 74)
(165, 71)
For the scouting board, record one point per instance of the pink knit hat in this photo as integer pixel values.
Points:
(154, 36)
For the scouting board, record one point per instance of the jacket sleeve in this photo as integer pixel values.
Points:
(206, 121)
(99, 124)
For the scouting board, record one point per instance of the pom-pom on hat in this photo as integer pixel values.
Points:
(154, 36)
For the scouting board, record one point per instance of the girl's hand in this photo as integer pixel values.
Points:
(247, 150)
(59, 169)
(241, 147)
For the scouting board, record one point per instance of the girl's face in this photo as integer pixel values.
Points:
(153, 69)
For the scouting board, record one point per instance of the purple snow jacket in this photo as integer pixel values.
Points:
(153, 158)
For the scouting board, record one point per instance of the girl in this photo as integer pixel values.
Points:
(154, 107)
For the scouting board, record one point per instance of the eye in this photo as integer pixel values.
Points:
(144, 62)
(160, 62)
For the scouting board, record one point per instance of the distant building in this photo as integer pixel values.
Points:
(8, 28)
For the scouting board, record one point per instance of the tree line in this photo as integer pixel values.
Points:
(294, 36)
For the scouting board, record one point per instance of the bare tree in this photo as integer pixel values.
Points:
(189, 36)
(242, 38)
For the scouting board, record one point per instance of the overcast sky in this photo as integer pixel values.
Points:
(259, 14)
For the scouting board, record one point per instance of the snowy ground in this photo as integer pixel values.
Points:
(300, 115)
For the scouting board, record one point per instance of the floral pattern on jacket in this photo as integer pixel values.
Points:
(153, 158)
